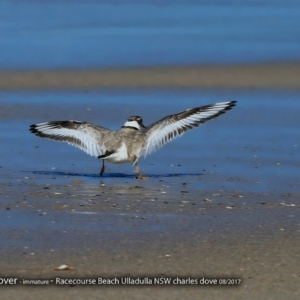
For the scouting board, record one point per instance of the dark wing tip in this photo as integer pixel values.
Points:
(227, 106)
(36, 129)
(231, 104)
(71, 124)
(33, 129)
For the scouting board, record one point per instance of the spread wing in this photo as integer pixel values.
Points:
(86, 136)
(170, 127)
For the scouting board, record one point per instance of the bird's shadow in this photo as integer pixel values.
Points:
(113, 175)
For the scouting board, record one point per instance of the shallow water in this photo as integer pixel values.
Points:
(241, 169)
(72, 34)
(253, 147)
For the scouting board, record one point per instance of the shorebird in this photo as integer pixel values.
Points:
(133, 139)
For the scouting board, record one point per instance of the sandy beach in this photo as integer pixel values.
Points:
(179, 235)
(181, 222)
(266, 76)
(104, 235)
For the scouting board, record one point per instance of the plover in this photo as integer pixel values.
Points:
(133, 139)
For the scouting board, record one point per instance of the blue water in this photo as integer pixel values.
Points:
(91, 34)
(251, 150)
(256, 143)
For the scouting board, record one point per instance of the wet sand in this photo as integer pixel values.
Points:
(284, 75)
(179, 222)
(134, 230)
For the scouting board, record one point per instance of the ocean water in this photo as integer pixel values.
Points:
(90, 34)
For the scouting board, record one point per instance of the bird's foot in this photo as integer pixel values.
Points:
(139, 174)
(142, 177)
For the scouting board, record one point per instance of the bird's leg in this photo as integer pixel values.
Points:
(139, 174)
(137, 170)
(134, 162)
(103, 168)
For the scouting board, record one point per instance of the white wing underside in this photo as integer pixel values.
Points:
(85, 137)
(173, 126)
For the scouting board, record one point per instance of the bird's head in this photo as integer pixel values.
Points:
(134, 122)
